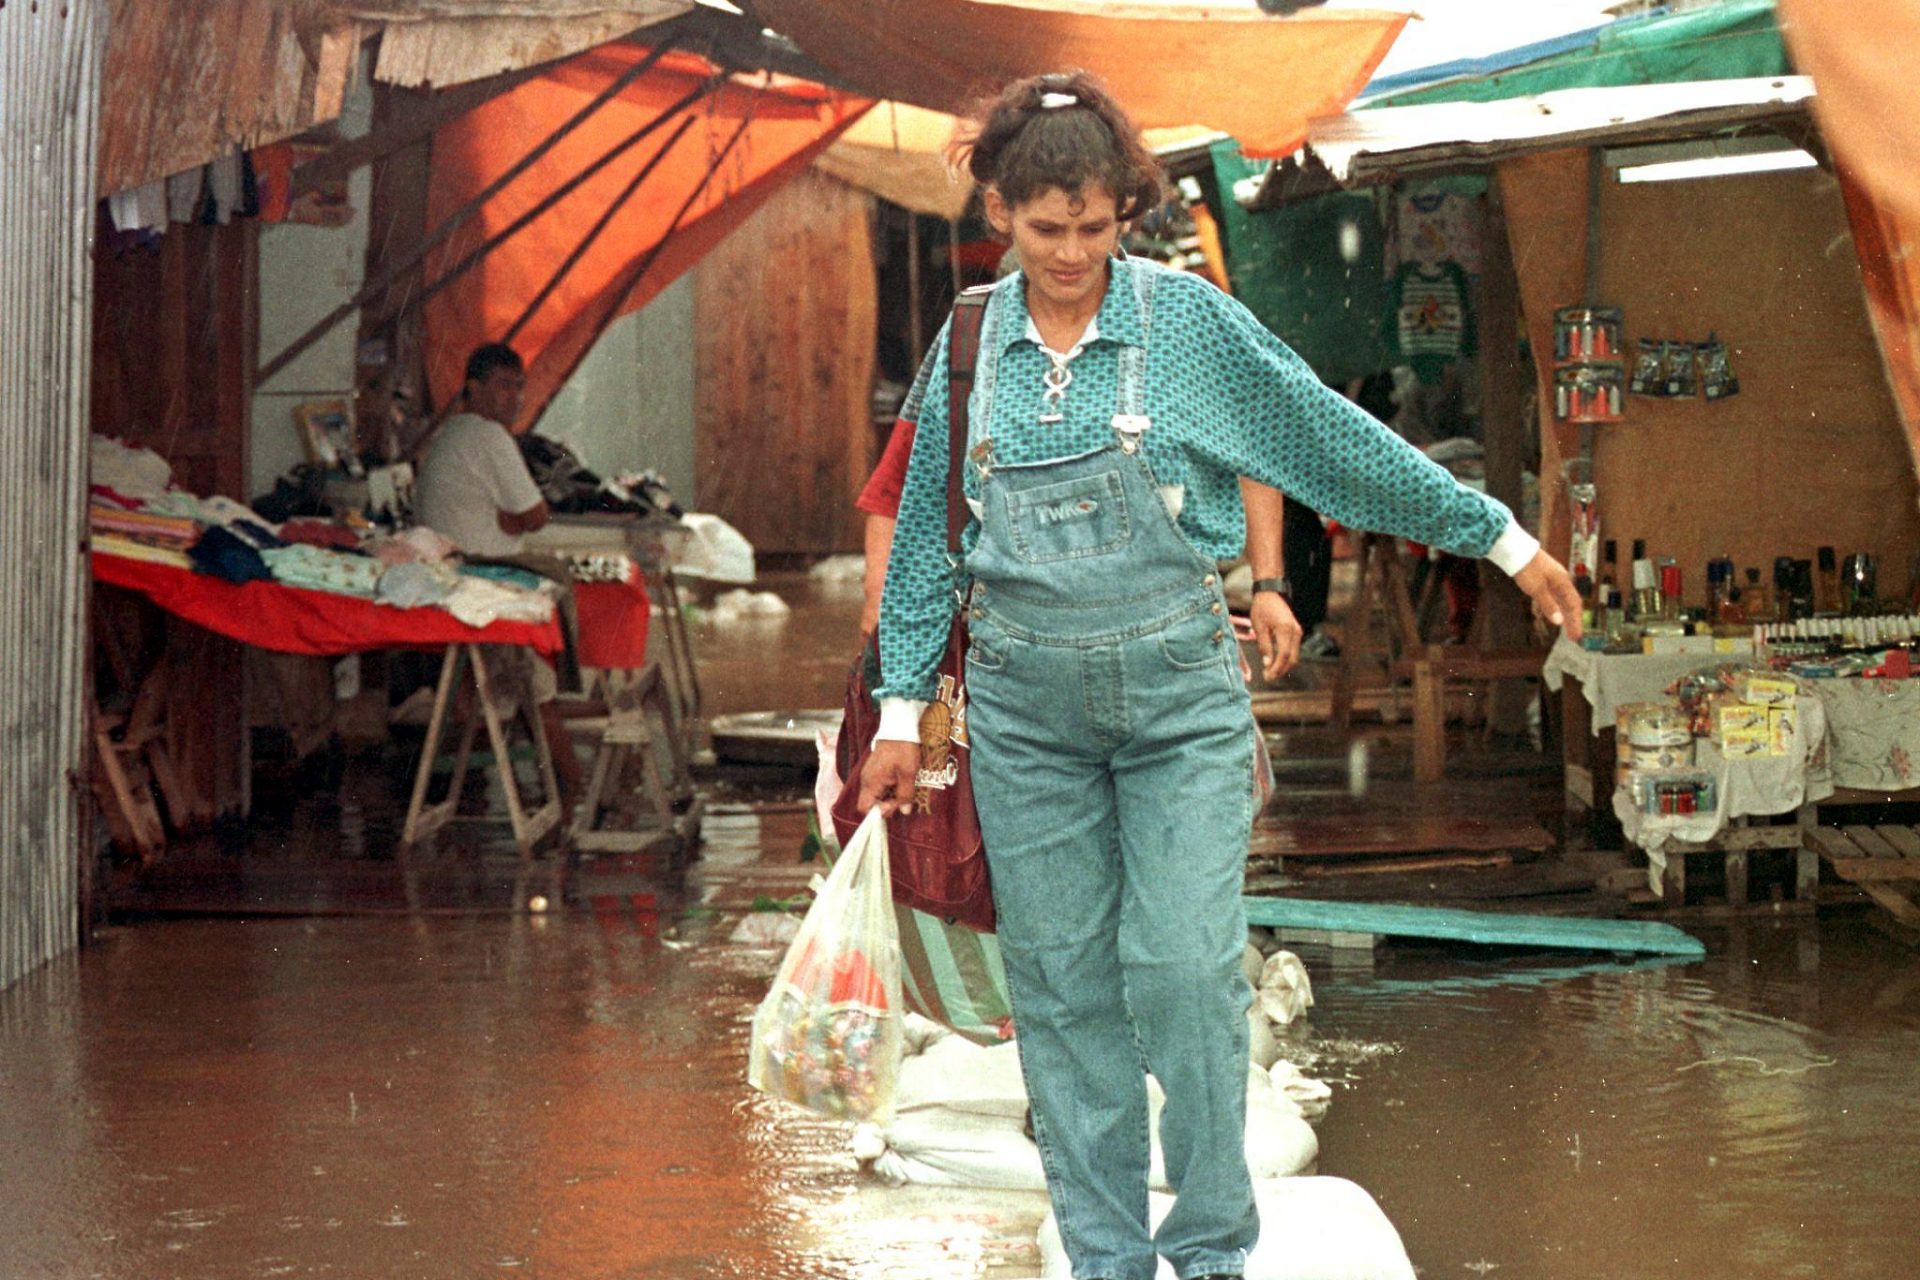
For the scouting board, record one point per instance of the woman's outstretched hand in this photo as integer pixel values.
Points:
(1550, 587)
(888, 776)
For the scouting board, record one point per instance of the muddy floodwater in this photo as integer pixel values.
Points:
(562, 1096)
(456, 1088)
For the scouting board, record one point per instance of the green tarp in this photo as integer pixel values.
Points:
(1728, 42)
(1314, 272)
(1290, 266)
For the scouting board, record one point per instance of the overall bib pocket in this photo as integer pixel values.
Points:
(1085, 516)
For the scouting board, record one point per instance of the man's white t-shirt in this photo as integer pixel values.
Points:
(471, 473)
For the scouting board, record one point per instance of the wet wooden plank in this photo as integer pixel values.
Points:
(1343, 836)
(1870, 839)
(1876, 870)
(1833, 844)
(1576, 933)
(1904, 839)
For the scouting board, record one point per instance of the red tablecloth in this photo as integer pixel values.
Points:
(272, 615)
(614, 617)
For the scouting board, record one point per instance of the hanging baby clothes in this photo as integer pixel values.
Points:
(1432, 323)
(1432, 223)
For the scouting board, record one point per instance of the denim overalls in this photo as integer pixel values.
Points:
(1112, 767)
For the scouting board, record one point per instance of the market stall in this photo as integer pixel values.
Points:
(315, 588)
(1722, 460)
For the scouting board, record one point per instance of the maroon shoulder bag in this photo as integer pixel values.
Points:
(939, 865)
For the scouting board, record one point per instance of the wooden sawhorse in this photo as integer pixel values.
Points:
(424, 819)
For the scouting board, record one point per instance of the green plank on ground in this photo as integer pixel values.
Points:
(1578, 933)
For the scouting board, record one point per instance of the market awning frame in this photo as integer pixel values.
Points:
(1386, 144)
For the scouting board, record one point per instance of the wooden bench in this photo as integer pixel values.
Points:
(1883, 861)
(1431, 669)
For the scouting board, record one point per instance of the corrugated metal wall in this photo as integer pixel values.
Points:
(50, 58)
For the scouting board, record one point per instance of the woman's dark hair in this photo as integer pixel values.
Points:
(1021, 147)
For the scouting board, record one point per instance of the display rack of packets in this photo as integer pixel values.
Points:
(1655, 751)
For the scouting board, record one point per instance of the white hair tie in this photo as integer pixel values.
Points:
(1054, 101)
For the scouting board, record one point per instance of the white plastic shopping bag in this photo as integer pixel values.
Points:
(827, 1036)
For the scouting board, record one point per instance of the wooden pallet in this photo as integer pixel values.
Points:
(1882, 861)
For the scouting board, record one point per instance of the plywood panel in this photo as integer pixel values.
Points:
(1545, 200)
(785, 312)
(1812, 451)
(173, 354)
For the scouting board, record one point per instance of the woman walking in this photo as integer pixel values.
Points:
(1116, 405)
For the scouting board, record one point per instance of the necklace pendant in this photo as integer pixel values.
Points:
(1052, 417)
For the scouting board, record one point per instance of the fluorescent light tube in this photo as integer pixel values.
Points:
(1718, 166)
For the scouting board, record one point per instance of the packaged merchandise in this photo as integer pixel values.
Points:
(1764, 687)
(1751, 740)
(1782, 727)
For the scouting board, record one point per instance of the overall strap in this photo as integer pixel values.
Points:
(1133, 360)
(963, 355)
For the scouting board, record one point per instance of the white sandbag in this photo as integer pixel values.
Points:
(1251, 962)
(1310, 1229)
(1263, 1046)
(941, 1148)
(766, 929)
(1280, 1143)
(705, 546)
(1282, 987)
(955, 1074)
(961, 1118)
(741, 605)
(849, 569)
(1265, 940)
(1310, 1096)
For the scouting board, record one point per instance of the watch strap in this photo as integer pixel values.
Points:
(1279, 586)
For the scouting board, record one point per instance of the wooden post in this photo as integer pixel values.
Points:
(389, 372)
(916, 328)
(1429, 722)
(1505, 432)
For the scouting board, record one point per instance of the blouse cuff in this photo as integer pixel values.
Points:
(1514, 549)
(899, 720)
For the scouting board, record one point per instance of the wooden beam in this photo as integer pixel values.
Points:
(458, 218)
(413, 117)
(1506, 432)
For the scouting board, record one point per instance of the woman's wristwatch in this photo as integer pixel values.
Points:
(1279, 586)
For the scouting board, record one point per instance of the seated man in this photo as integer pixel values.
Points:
(474, 487)
(475, 490)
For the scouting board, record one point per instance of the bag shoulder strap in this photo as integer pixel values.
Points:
(963, 355)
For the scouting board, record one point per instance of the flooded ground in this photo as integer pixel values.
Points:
(455, 1088)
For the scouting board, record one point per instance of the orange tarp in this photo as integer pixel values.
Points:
(1860, 56)
(788, 123)
(1888, 245)
(1243, 72)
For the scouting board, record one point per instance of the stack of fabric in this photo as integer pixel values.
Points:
(138, 535)
(136, 513)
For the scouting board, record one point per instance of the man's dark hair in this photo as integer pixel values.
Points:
(494, 355)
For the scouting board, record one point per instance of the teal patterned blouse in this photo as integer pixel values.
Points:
(1225, 398)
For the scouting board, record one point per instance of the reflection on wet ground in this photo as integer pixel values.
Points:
(442, 1096)
(454, 1087)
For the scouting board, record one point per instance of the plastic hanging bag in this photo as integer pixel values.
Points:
(827, 1036)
